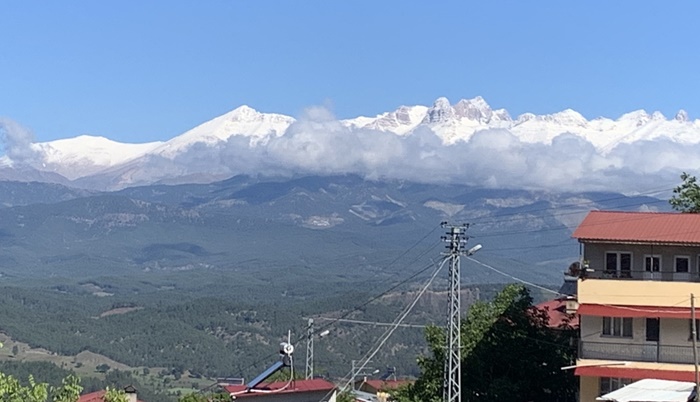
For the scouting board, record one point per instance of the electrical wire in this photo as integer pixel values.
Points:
(376, 323)
(274, 391)
(385, 337)
(371, 300)
(514, 277)
(497, 217)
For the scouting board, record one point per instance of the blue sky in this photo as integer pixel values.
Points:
(140, 71)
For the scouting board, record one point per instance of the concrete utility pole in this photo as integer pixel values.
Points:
(456, 240)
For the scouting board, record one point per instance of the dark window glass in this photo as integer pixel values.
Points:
(653, 329)
(611, 262)
(682, 264)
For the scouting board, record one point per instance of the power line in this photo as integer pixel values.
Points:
(376, 323)
(514, 277)
(382, 340)
(372, 299)
(581, 204)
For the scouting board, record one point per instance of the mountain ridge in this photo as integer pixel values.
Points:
(233, 142)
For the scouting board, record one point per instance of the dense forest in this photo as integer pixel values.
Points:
(181, 337)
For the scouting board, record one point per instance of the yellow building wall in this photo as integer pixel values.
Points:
(589, 388)
(637, 293)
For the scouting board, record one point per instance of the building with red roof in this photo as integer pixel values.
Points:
(98, 396)
(634, 294)
(559, 316)
(375, 386)
(314, 390)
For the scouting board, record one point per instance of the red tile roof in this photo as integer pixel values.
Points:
(558, 316)
(640, 227)
(92, 397)
(96, 396)
(297, 386)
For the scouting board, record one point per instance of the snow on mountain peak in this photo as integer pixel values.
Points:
(244, 113)
(474, 109)
(569, 117)
(658, 116)
(681, 116)
(440, 112)
(525, 117)
(78, 156)
(639, 117)
(452, 124)
(400, 121)
(242, 121)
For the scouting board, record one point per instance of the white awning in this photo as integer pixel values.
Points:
(651, 390)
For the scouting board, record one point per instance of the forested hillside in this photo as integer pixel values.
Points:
(213, 336)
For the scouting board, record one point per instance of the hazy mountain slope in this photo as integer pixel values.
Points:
(14, 193)
(334, 226)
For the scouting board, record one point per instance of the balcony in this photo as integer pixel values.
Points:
(643, 275)
(639, 352)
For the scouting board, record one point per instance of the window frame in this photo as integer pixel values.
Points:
(617, 327)
(652, 257)
(607, 385)
(619, 272)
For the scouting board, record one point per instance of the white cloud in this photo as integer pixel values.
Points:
(17, 142)
(319, 144)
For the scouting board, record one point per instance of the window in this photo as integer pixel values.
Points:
(617, 327)
(697, 330)
(652, 263)
(682, 263)
(619, 264)
(653, 329)
(610, 384)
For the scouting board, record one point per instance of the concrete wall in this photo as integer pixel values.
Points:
(589, 388)
(619, 292)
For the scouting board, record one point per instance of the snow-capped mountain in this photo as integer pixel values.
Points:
(86, 155)
(401, 121)
(242, 121)
(391, 144)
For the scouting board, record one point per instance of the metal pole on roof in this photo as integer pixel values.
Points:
(310, 350)
(693, 325)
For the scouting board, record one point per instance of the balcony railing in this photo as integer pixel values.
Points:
(643, 275)
(641, 352)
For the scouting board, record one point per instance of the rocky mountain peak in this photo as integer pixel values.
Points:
(440, 112)
(681, 116)
(474, 109)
